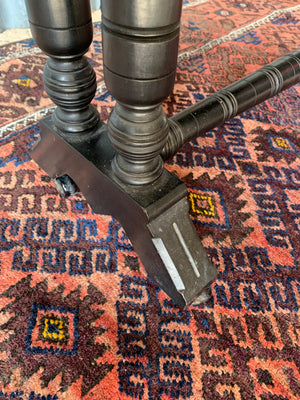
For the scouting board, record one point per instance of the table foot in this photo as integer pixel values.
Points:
(155, 217)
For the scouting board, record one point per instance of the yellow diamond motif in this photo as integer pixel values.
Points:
(57, 333)
(281, 143)
(208, 211)
(24, 82)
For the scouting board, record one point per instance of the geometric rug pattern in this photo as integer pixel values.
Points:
(79, 318)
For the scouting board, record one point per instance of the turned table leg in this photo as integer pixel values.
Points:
(64, 31)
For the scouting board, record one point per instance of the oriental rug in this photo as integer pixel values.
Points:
(79, 318)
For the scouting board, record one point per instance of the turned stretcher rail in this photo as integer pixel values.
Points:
(225, 104)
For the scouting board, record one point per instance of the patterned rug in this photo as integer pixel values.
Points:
(79, 319)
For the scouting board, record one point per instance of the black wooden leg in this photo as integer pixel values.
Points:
(120, 169)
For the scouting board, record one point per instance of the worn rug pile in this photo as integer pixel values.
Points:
(79, 318)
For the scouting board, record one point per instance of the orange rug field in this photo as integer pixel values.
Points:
(79, 318)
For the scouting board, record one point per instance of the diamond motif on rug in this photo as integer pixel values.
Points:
(60, 326)
(215, 207)
(52, 330)
(276, 145)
